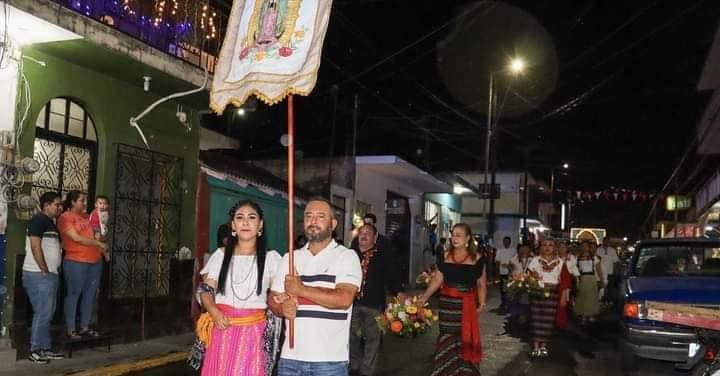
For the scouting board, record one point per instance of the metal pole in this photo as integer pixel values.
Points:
(493, 168)
(331, 152)
(488, 136)
(552, 200)
(525, 201)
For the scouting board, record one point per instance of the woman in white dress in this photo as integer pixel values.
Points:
(548, 311)
(234, 293)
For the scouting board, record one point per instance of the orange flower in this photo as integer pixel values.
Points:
(259, 55)
(300, 34)
(396, 326)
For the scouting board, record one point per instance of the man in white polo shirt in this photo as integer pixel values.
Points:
(319, 297)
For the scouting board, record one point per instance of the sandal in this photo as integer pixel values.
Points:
(89, 333)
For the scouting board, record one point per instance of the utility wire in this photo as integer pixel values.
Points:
(400, 112)
(408, 46)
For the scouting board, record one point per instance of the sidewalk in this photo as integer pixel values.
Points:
(121, 359)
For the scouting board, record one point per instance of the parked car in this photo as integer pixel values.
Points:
(681, 271)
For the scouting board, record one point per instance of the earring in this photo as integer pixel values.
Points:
(233, 234)
(467, 245)
(260, 233)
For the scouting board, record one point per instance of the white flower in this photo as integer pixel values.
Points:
(402, 316)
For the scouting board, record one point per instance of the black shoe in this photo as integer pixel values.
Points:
(38, 357)
(52, 355)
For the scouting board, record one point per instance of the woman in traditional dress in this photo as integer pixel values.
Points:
(462, 281)
(587, 302)
(548, 310)
(234, 293)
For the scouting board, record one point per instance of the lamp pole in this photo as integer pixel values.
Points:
(516, 66)
(489, 227)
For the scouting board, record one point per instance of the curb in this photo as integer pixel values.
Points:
(124, 368)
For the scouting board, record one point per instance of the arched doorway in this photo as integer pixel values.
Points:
(66, 147)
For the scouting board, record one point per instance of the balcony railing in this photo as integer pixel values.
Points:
(190, 30)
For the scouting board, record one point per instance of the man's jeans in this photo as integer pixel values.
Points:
(290, 367)
(82, 281)
(42, 291)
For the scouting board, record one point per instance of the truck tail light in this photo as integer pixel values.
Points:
(710, 353)
(632, 310)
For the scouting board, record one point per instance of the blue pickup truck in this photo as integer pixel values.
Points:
(682, 271)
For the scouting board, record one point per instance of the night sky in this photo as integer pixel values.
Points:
(610, 89)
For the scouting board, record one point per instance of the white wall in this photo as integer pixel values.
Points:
(372, 189)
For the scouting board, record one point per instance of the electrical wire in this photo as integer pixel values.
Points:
(400, 112)
(134, 120)
(410, 45)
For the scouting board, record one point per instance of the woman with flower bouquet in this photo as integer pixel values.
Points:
(520, 303)
(548, 310)
(462, 281)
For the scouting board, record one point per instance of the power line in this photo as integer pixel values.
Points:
(401, 113)
(408, 46)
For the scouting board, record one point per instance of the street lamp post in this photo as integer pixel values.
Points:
(515, 67)
(565, 166)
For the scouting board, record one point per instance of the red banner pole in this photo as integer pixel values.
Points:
(291, 201)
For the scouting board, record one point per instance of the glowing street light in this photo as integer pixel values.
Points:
(241, 111)
(517, 65)
(566, 166)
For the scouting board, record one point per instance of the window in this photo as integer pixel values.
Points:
(66, 148)
(678, 260)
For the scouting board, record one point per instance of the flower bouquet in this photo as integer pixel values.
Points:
(405, 318)
(526, 283)
(422, 280)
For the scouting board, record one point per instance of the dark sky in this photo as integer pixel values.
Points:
(614, 93)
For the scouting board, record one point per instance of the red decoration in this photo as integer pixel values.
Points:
(285, 51)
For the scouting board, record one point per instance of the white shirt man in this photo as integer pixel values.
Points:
(319, 297)
(608, 257)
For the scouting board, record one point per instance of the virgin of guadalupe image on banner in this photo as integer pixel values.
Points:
(272, 49)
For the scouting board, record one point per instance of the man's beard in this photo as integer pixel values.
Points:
(318, 236)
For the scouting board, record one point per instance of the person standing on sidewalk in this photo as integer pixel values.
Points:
(549, 310)
(462, 280)
(82, 265)
(319, 297)
(234, 293)
(40, 275)
(380, 276)
(502, 264)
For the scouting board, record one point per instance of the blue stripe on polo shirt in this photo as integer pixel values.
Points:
(302, 313)
(318, 278)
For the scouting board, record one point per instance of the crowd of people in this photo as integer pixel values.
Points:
(580, 278)
(330, 300)
(64, 225)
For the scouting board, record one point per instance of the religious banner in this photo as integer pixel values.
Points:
(272, 49)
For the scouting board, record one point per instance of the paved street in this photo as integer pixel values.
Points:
(591, 351)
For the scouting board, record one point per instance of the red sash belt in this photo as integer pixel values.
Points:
(470, 329)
